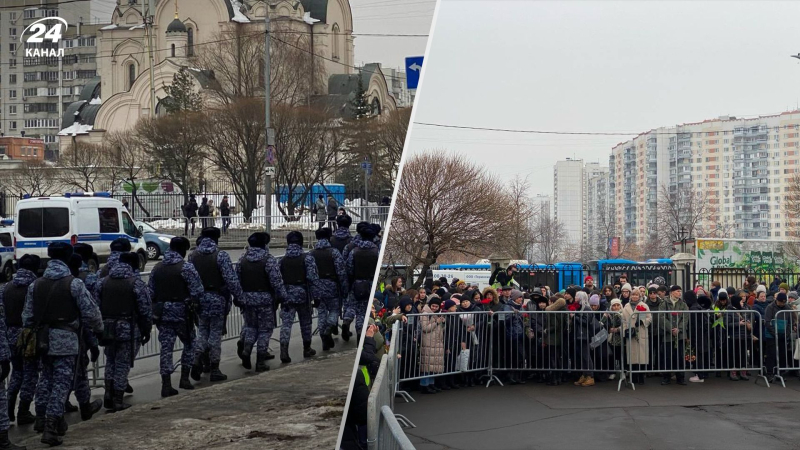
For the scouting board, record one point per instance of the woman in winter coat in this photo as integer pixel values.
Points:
(612, 321)
(583, 332)
(739, 326)
(608, 294)
(392, 293)
(472, 336)
(636, 320)
(625, 293)
(454, 331)
(534, 332)
(408, 344)
(431, 350)
(719, 335)
(700, 333)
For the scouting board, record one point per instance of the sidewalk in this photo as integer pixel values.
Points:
(718, 414)
(297, 405)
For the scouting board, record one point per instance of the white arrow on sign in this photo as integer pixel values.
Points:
(415, 67)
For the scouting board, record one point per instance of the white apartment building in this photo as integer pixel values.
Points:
(743, 165)
(568, 194)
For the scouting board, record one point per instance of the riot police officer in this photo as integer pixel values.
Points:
(298, 271)
(362, 263)
(330, 288)
(175, 288)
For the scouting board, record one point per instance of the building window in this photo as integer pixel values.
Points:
(3, 150)
(12, 93)
(172, 52)
(12, 62)
(12, 47)
(12, 109)
(12, 16)
(29, 14)
(12, 78)
(12, 32)
(13, 125)
(132, 74)
(336, 41)
(190, 41)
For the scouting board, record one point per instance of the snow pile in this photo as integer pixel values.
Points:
(75, 129)
(238, 16)
(308, 19)
(96, 101)
(109, 27)
(137, 27)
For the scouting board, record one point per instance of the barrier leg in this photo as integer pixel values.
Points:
(404, 422)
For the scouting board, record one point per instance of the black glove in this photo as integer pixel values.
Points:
(6, 366)
(146, 336)
(99, 336)
(94, 351)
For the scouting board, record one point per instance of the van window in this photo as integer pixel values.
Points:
(127, 223)
(5, 240)
(43, 222)
(109, 220)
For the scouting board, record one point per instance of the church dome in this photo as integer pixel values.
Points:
(176, 26)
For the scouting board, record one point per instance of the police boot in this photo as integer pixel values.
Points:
(61, 426)
(346, 331)
(69, 407)
(285, 353)
(50, 436)
(325, 344)
(307, 350)
(24, 416)
(119, 404)
(216, 375)
(108, 397)
(245, 358)
(88, 409)
(269, 355)
(335, 329)
(129, 389)
(38, 424)
(166, 386)
(239, 347)
(185, 383)
(261, 364)
(12, 403)
(5, 444)
(197, 368)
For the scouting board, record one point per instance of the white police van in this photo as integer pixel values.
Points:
(95, 219)
(6, 249)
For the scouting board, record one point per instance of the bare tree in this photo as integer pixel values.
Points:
(517, 238)
(307, 141)
(125, 160)
(82, 166)
(552, 243)
(236, 142)
(237, 62)
(791, 210)
(680, 214)
(175, 146)
(445, 203)
(390, 135)
(35, 178)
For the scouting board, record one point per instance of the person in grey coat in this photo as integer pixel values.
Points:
(321, 211)
(332, 210)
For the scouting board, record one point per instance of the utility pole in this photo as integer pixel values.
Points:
(270, 150)
(148, 24)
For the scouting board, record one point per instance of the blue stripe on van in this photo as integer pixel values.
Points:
(97, 237)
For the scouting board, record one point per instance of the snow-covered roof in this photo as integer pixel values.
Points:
(75, 130)
(96, 101)
(109, 27)
(137, 27)
(237, 13)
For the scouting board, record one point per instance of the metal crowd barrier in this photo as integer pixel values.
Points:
(699, 341)
(782, 347)
(383, 426)
(626, 344)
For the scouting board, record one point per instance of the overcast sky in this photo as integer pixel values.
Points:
(598, 67)
(390, 17)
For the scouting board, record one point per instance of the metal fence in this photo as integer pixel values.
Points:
(624, 344)
(781, 345)
(383, 425)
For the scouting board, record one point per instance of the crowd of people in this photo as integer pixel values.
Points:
(54, 325)
(452, 332)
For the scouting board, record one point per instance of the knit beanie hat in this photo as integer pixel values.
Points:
(615, 301)
(793, 295)
(761, 288)
(784, 286)
(626, 287)
(448, 304)
(781, 297)
(594, 300)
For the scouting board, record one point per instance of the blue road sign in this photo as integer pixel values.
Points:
(366, 165)
(413, 69)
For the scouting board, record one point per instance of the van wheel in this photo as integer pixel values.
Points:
(142, 261)
(8, 271)
(152, 251)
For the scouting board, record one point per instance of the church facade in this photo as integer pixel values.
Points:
(123, 92)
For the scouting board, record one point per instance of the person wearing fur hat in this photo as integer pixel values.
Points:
(362, 263)
(118, 246)
(432, 346)
(330, 290)
(636, 321)
(61, 302)
(219, 283)
(299, 272)
(262, 288)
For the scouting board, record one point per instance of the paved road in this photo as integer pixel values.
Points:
(718, 414)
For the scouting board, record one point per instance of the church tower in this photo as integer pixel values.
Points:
(177, 37)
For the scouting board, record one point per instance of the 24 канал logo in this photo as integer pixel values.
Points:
(38, 32)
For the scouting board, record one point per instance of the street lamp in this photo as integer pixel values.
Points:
(796, 56)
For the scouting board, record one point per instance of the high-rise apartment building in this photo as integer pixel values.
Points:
(34, 91)
(597, 213)
(568, 194)
(741, 166)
